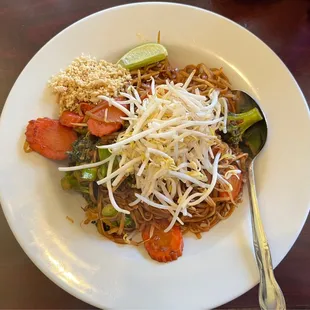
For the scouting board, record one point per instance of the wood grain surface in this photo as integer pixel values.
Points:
(26, 25)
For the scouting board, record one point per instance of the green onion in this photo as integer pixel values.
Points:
(89, 174)
(103, 153)
(86, 175)
(102, 171)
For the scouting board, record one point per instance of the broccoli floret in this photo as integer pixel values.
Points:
(237, 124)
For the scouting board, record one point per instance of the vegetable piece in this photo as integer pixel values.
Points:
(86, 107)
(164, 247)
(102, 171)
(112, 121)
(68, 118)
(237, 124)
(82, 149)
(120, 98)
(70, 182)
(236, 184)
(87, 175)
(103, 153)
(108, 211)
(101, 129)
(129, 222)
(254, 138)
(49, 138)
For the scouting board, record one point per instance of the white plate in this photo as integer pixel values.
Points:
(213, 270)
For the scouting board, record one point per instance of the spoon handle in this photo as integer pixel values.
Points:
(270, 294)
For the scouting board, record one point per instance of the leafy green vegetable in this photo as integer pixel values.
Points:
(237, 124)
(82, 149)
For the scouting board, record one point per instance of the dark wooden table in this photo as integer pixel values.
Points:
(26, 25)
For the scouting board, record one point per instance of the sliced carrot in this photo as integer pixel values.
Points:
(86, 107)
(68, 118)
(164, 247)
(114, 114)
(120, 98)
(49, 138)
(112, 121)
(236, 187)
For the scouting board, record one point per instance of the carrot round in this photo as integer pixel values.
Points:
(49, 138)
(111, 121)
(164, 247)
(86, 107)
(236, 184)
(68, 118)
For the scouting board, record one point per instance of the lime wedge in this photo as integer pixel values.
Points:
(143, 55)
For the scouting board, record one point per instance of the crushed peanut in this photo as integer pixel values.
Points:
(85, 79)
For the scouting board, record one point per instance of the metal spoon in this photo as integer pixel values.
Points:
(254, 139)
